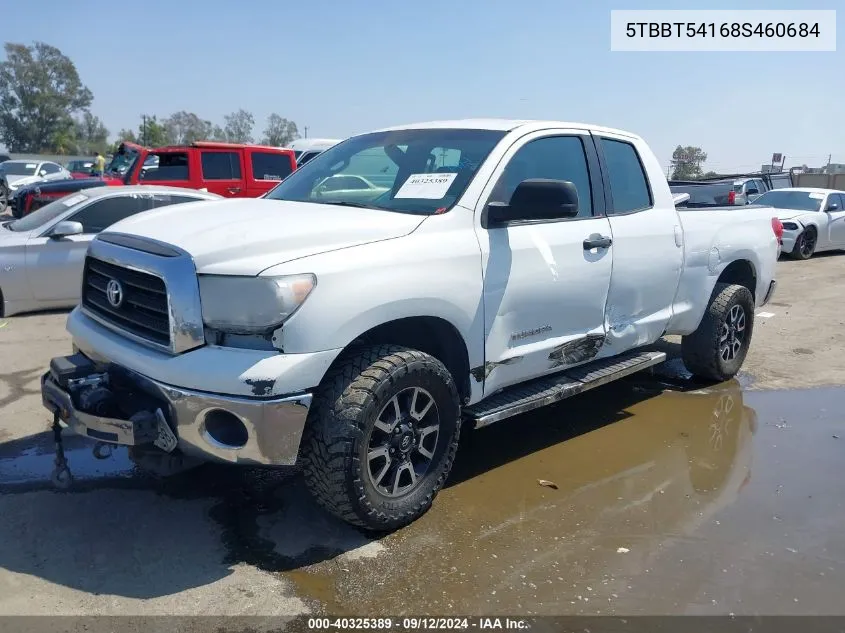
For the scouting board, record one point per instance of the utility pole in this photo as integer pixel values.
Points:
(144, 130)
(829, 156)
(306, 131)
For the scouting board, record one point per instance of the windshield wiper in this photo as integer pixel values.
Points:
(357, 205)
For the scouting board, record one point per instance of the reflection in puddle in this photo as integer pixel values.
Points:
(634, 469)
(25, 466)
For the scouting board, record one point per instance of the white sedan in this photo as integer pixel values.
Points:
(813, 219)
(42, 254)
(17, 173)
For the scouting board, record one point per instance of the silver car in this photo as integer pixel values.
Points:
(42, 254)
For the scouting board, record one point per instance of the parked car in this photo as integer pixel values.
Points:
(304, 149)
(4, 158)
(813, 219)
(19, 173)
(227, 169)
(509, 265)
(80, 168)
(42, 255)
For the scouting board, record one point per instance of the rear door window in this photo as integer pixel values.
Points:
(628, 182)
(221, 165)
(270, 165)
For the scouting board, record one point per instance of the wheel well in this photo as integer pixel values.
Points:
(740, 272)
(432, 335)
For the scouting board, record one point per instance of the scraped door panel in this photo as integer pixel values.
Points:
(544, 294)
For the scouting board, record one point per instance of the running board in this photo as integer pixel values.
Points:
(550, 389)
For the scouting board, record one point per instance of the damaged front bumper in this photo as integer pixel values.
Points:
(112, 404)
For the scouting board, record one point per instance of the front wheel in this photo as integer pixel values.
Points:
(717, 349)
(805, 245)
(381, 437)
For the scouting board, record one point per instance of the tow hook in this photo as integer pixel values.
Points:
(61, 475)
(102, 450)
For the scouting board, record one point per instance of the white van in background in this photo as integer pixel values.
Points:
(304, 149)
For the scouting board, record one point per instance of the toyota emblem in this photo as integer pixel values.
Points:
(114, 293)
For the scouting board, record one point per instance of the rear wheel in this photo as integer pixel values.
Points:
(805, 245)
(381, 437)
(4, 197)
(717, 349)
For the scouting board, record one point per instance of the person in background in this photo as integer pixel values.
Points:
(99, 165)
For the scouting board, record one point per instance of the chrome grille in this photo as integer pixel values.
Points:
(142, 308)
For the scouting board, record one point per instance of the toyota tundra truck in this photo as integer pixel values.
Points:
(400, 285)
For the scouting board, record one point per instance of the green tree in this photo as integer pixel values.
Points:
(186, 127)
(687, 162)
(40, 90)
(218, 134)
(710, 174)
(151, 133)
(279, 131)
(90, 134)
(238, 126)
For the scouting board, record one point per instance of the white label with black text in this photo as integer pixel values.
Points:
(427, 186)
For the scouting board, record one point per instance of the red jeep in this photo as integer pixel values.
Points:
(227, 169)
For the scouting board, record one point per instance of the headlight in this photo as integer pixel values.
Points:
(251, 305)
(790, 226)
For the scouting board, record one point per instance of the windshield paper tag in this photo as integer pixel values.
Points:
(817, 196)
(72, 200)
(427, 186)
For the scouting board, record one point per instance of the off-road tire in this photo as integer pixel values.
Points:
(796, 252)
(344, 410)
(701, 349)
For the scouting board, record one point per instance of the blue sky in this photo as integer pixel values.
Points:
(347, 67)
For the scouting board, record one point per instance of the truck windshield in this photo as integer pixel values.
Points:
(122, 161)
(799, 200)
(408, 171)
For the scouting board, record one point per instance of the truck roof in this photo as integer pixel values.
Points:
(505, 125)
(220, 145)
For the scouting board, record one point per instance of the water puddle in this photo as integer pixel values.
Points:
(667, 497)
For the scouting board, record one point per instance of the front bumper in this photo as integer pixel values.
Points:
(787, 242)
(268, 430)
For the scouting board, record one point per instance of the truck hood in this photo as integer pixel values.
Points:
(247, 236)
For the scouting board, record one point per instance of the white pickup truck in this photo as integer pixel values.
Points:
(493, 267)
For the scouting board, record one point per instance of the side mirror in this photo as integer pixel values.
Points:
(752, 192)
(43, 172)
(65, 229)
(536, 199)
(833, 206)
